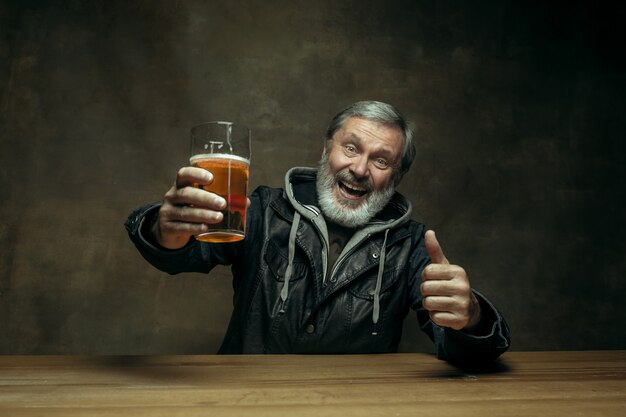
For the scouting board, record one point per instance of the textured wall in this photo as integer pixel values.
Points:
(520, 109)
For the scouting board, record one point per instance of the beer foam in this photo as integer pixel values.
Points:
(204, 156)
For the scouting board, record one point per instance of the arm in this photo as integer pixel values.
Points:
(486, 342)
(190, 258)
(163, 233)
(465, 327)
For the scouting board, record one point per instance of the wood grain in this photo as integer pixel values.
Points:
(520, 384)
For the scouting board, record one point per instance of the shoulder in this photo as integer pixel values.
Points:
(263, 193)
(263, 197)
(414, 230)
(416, 226)
(409, 224)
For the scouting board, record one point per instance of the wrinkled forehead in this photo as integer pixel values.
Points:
(372, 134)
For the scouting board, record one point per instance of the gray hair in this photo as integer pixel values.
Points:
(382, 113)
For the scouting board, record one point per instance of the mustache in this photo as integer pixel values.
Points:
(346, 176)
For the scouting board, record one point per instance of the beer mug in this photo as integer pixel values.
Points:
(223, 148)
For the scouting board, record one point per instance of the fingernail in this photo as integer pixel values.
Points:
(220, 202)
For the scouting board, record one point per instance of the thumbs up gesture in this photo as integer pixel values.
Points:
(446, 290)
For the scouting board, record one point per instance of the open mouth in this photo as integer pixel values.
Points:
(351, 191)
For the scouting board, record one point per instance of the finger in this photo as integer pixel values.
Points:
(181, 228)
(434, 249)
(439, 303)
(191, 175)
(442, 272)
(447, 319)
(187, 214)
(438, 287)
(195, 196)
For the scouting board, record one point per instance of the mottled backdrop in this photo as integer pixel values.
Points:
(520, 167)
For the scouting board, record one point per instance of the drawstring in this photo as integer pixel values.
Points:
(288, 272)
(379, 281)
(292, 250)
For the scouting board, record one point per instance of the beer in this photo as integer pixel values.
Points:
(230, 181)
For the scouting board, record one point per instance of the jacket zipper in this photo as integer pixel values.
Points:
(343, 258)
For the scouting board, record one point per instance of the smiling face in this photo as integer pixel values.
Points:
(358, 171)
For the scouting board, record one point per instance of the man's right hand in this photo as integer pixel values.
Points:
(187, 209)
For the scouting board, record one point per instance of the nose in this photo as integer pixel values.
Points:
(360, 167)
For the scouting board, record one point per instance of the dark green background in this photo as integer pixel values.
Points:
(520, 167)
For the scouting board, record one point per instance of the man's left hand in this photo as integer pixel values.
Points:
(446, 290)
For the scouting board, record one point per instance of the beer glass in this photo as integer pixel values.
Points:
(223, 148)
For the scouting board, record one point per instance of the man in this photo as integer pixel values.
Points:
(332, 263)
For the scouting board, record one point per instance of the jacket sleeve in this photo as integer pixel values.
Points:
(194, 257)
(487, 341)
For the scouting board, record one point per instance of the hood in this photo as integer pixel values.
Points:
(302, 194)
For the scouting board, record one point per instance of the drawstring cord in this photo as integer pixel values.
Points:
(379, 281)
(284, 292)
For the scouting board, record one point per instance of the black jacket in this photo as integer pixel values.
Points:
(287, 301)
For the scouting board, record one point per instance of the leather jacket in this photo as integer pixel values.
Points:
(287, 300)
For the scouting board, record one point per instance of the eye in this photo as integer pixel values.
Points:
(381, 163)
(350, 149)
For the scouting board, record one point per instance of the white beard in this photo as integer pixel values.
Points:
(344, 213)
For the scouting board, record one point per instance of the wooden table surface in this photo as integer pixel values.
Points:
(520, 384)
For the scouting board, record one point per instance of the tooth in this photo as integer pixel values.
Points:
(353, 187)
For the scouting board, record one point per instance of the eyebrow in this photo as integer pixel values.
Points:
(383, 151)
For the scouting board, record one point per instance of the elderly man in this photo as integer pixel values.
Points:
(332, 263)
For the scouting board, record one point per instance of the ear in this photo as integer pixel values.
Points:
(327, 145)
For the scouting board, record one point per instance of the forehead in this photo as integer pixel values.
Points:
(373, 134)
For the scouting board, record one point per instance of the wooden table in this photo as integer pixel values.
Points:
(520, 384)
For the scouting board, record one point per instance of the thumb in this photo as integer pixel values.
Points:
(434, 249)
